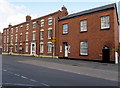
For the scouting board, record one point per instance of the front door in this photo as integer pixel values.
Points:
(106, 54)
(33, 48)
(66, 49)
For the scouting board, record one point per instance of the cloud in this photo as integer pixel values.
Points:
(11, 14)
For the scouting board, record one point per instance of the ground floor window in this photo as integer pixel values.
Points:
(49, 47)
(84, 48)
(26, 48)
(15, 48)
(41, 48)
(7, 47)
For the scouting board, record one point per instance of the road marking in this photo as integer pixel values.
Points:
(17, 84)
(24, 77)
(33, 80)
(16, 74)
(44, 84)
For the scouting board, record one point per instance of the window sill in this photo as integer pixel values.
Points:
(82, 31)
(49, 38)
(83, 55)
(49, 52)
(105, 29)
(64, 33)
(49, 24)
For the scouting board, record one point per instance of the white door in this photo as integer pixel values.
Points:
(33, 48)
(66, 51)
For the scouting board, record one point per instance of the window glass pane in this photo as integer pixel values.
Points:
(34, 35)
(65, 28)
(27, 27)
(83, 48)
(41, 48)
(50, 21)
(49, 47)
(83, 25)
(49, 34)
(34, 25)
(42, 35)
(42, 23)
(105, 22)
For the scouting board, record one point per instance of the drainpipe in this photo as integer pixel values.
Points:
(54, 36)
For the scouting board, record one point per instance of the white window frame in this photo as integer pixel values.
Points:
(65, 28)
(34, 35)
(41, 47)
(50, 33)
(83, 25)
(7, 47)
(50, 21)
(41, 34)
(34, 25)
(105, 22)
(11, 39)
(16, 37)
(26, 36)
(16, 47)
(42, 23)
(16, 29)
(26, 47)
(84, 48)
(49, 47)
(27, 26)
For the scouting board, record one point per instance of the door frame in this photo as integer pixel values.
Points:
(106, 54)
(31, 48)
(65, 44)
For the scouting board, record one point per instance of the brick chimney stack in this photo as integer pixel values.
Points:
(28, 18)
(64, 9)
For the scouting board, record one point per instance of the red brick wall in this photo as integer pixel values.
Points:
(23, 30)
(96, 37)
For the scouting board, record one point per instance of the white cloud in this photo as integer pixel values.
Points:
(10, 13)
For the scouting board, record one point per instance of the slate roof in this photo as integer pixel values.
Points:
(94, 10)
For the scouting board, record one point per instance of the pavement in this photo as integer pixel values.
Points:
(90, 64)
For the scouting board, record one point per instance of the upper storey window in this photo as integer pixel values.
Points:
(83, 25)
(16, 29)
(105, 22)
(27, 26)
(65, 28)
(11, 30)
(42, 22)
(50, 21)
(34, 24)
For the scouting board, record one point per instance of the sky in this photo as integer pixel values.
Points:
(14, 11)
